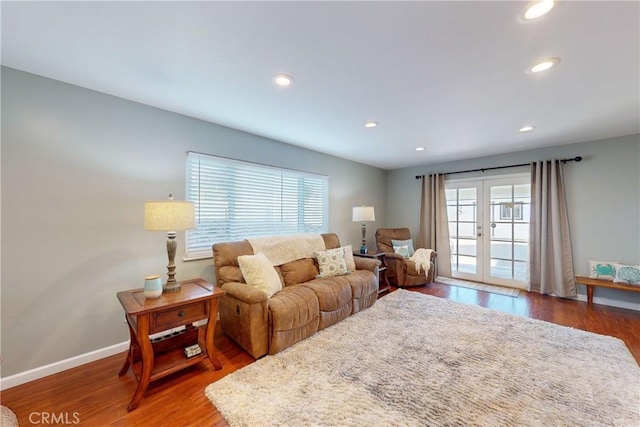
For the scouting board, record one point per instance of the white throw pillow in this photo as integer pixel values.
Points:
(604, 270)
(331, 262)
(259, 273)
(627, 274)
(348, 257)
(408, 242)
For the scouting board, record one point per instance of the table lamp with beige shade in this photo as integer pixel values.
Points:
(170, 216)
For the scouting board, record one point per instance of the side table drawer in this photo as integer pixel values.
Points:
(163, 320)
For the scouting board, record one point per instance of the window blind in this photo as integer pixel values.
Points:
(235, 200)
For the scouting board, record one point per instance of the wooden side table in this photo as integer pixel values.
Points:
(197, 300)
(383, 283)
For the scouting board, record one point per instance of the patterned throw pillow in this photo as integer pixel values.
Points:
(627, 274)
(408, 242)
(402, 250)
(259, 273)
(331, 262)
(604, 270)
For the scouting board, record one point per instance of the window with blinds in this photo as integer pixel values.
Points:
(235, 200)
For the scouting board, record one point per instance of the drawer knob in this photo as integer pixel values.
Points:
(181, 313)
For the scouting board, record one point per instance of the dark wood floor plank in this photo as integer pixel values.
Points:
(97, 396)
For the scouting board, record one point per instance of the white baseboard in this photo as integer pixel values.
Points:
(629, 305)
(63, 365)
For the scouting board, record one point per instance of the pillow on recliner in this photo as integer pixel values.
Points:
(408, 242)
(402, 250)
(259, 273)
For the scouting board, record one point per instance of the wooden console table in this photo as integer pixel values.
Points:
(197, 300)
(590, 283)
(383, 282)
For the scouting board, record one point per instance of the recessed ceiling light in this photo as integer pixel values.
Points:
(283, 80)
(543, 65)
(527, 128)
(371, 124)
(420, 149)
(537, 9)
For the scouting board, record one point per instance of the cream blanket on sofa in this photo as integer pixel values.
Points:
(422, 260)
(283, 249)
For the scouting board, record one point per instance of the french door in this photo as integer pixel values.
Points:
(489, 229)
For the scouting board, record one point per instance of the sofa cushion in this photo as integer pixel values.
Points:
(293, 316)
(259, 273)
(334, 298)
(299, 271)
(364, 288)
(331, 262)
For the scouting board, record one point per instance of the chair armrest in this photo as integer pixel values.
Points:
(244, 292)
(394, 256)
(370, 264)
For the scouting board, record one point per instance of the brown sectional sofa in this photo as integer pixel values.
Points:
(305, 305)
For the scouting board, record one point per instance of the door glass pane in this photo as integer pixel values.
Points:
(521, 251)
(467, 247)
(520, 270)
(467, 212)
(501, 231)
(467, 264)
(467, 229)
(501, 250)
(501, 268)
(521, 232)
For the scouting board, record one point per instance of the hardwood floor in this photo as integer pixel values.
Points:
(94, 395)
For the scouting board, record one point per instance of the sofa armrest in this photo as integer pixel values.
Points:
(245, 293)
(370, 264)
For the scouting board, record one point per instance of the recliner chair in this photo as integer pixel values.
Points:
(402, 272)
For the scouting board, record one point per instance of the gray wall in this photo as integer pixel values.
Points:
(77, 166)
(602, 192)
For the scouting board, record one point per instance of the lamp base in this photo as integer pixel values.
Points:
(171, 287)
(363, 249)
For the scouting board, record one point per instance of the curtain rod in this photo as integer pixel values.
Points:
(575, 159)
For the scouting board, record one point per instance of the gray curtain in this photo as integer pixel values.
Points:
(434, 226)
(550, 259)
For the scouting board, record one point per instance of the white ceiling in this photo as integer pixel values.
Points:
(448, 76)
